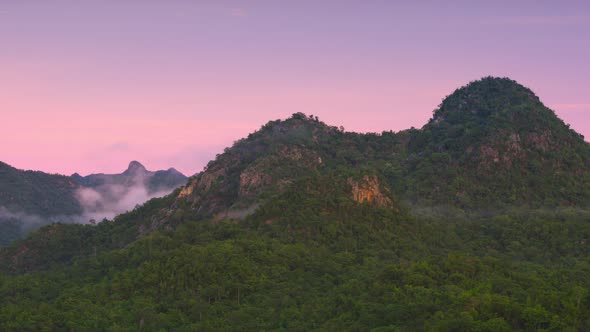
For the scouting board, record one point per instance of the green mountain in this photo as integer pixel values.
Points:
(28, 191)
(476, 222)
(31, 199)
(493, 142)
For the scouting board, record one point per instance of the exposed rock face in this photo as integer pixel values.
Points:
(489, 153)
(189, 189)
(252, 180)
(369, 190)
(541, 141)
(268, 160)
(507, 149)
(195, 193)
(505, 152)
(240, 180)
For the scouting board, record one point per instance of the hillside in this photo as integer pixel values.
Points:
(30, 199)
(489, 144)
(497, 144)
(476, 222)
(28, 191)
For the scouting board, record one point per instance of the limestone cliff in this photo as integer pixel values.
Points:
(369, 190)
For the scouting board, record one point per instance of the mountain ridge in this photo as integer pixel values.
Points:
(135, 172)
(502, 131)
(446, 163)
(31, 199)
(303, 226)
(442, 164)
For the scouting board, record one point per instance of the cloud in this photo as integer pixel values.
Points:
(111, 199)
(118, 146)
(28, 222)
(89, 197)
(238, 12)
(105, 201)
(25, 218)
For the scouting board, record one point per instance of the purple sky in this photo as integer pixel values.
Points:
(87, 86)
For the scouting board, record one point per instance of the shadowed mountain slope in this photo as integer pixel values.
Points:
(30, 199)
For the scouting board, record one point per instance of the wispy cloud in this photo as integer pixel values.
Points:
(238, 12)
(118, 146)
(111, 199)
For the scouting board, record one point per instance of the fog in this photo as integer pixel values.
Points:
(110, 200)
(26, 220)
(99, 202)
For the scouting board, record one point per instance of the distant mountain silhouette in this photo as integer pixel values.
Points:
(30, 199)
(135, 172)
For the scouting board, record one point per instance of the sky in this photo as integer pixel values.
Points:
(87, 86)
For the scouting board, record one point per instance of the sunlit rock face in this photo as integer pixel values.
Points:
(368, 190)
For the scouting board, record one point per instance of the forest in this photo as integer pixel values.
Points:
(359, 269)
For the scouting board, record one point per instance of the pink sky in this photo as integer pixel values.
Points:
(88, 86)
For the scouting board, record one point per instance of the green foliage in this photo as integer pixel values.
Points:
(28, 191)
(56, 244)
(322, 263)
(10, 229)
(493, 144)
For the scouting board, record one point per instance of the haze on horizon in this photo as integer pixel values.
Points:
(87, 86)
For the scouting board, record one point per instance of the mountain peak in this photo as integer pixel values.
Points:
(135, 166)
(295, 129)
(485, 97)
(173, 170)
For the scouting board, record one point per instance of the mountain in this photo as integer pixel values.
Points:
(37, 192)
(477, 222)
(493, 142)
(135, 174)
(489, 147)
(30, 199)
(490, 144)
